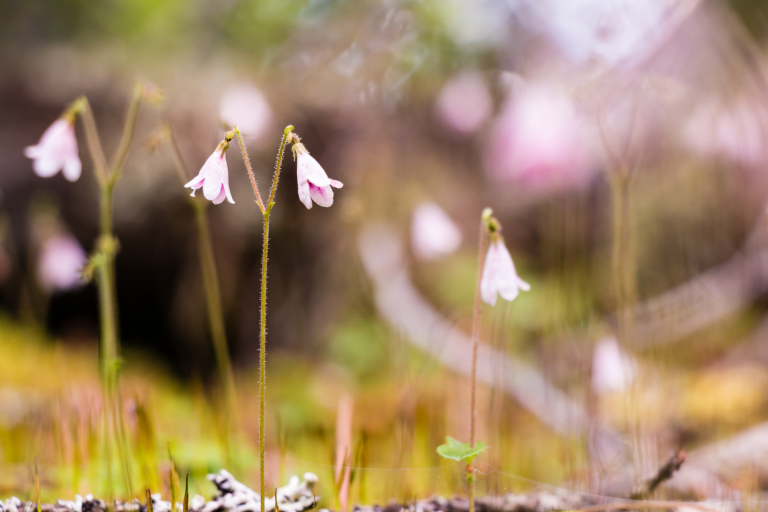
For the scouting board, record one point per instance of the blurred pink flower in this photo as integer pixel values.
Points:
(433, 233)
(612, 368)
(56, 150)
(314, 184)
(499, 275)
(246, 106)
(60, 263)
(736, 132)
(213, 178)
(538, 141)
(464, 103)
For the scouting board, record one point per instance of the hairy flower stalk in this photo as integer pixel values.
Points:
(314, 185)
(103, 263)
(212, 300)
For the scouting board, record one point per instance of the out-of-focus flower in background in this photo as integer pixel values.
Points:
(612, 31)
(736, 132)
(60, 263)
(213, 178)
(246, 106)
(56, 150)
(314, 184)
(539, 142)
(464, 103)
(433, 233)
(499, 275)
(612, 368)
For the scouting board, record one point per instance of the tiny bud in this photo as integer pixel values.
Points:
(486, 216)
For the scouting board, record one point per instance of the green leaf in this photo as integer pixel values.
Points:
(456, 450)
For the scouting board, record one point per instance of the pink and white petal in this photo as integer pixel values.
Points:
(72, 168)
(508, 288)
(323, 196)
(212, 186)
(336, 183)
(195, 183)
(313, 171)
(523, 285)
(46, 166)
(229, 194)
(488, 291)
(32, 151)
(220, 198)
(304, 195)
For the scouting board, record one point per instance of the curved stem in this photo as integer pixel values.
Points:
(128, 129)
(263, 333)
(247, 162)
(94, 143)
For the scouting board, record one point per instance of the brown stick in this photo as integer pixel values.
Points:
(665, 472)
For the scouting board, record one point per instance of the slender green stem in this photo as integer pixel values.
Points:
(106, 247)
(215, 312)
(94, 143)
(475, 342)
(476, 330)
(128, 128)
(263, 333)
(211, 286)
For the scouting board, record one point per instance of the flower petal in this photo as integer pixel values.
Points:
(336, 183)
(323, 196)
(72, 168)
(308, 167)
(195, 183)
(304, 195)
(220, 198)
(46, 166)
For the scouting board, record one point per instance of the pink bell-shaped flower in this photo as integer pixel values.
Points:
(60, 264)
(213, 177)
(433, 233)
(499, 275)
(57, 150)
(314, 184)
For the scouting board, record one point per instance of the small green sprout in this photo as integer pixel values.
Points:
(456, 450)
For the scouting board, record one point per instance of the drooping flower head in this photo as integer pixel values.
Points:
(60, 263)
(433, 233)
(57, 150)
(213, 177)
(314, 184)
(499, 274)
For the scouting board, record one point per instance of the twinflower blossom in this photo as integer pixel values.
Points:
(612, 368)
(499, 275)
(56, 150)
(314, 184)
(433, 233)
(60, 263)
(539, 142)
(213, 177)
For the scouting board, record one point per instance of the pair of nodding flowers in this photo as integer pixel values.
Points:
(499, 274)
(314, 184)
